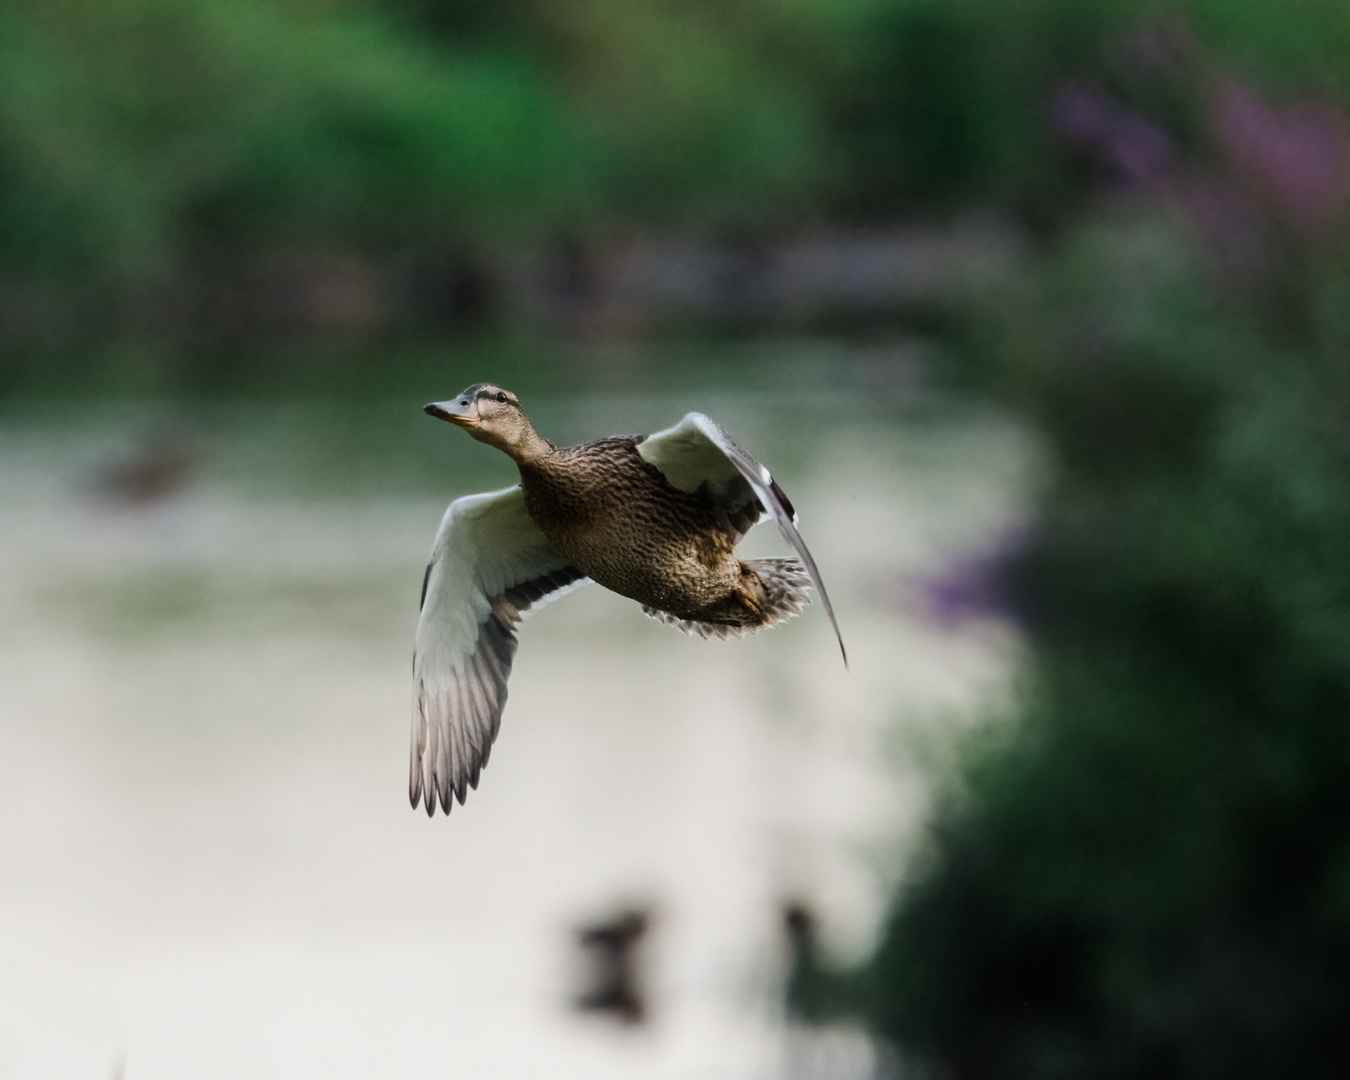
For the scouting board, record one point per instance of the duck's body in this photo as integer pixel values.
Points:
(622, 524)
(656, 519)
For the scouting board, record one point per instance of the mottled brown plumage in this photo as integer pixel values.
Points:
(622, 524)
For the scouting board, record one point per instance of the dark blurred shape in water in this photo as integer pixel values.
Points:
(812, 992)
(613, 979)
(159, 470)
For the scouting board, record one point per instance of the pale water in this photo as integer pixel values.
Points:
(208, 865)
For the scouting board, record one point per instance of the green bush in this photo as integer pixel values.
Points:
(1146, 872)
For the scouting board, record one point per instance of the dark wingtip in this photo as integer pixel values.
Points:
(782, 497)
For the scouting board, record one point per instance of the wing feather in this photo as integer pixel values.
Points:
(490, 565)
(697, 454)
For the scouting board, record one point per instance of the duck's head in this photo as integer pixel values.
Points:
(491, 415)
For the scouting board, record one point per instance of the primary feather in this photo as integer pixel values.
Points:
(490, 564)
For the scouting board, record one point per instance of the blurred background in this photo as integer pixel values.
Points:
(1039, 309)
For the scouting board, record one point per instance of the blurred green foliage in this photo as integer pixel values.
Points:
(139, 135)
(139, 132)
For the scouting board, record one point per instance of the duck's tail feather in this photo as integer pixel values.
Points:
(785, 588)
(699, 629)
(785, 594)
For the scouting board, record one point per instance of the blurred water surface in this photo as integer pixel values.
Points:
(208, 866)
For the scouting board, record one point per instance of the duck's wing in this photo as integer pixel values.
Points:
(490, 564)
(696, 453)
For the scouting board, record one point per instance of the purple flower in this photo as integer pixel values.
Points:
(1298, 156)
(973, 587)
(1136, 151)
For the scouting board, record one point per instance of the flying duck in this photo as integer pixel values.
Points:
(653, 518)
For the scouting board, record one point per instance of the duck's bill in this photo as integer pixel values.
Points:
(456, 412)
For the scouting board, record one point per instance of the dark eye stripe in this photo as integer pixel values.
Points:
(498, 395)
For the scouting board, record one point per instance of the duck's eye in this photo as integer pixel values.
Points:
(501, 398)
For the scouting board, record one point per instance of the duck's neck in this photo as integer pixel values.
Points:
(530, 448)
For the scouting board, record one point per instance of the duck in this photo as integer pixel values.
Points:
(653, 518)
